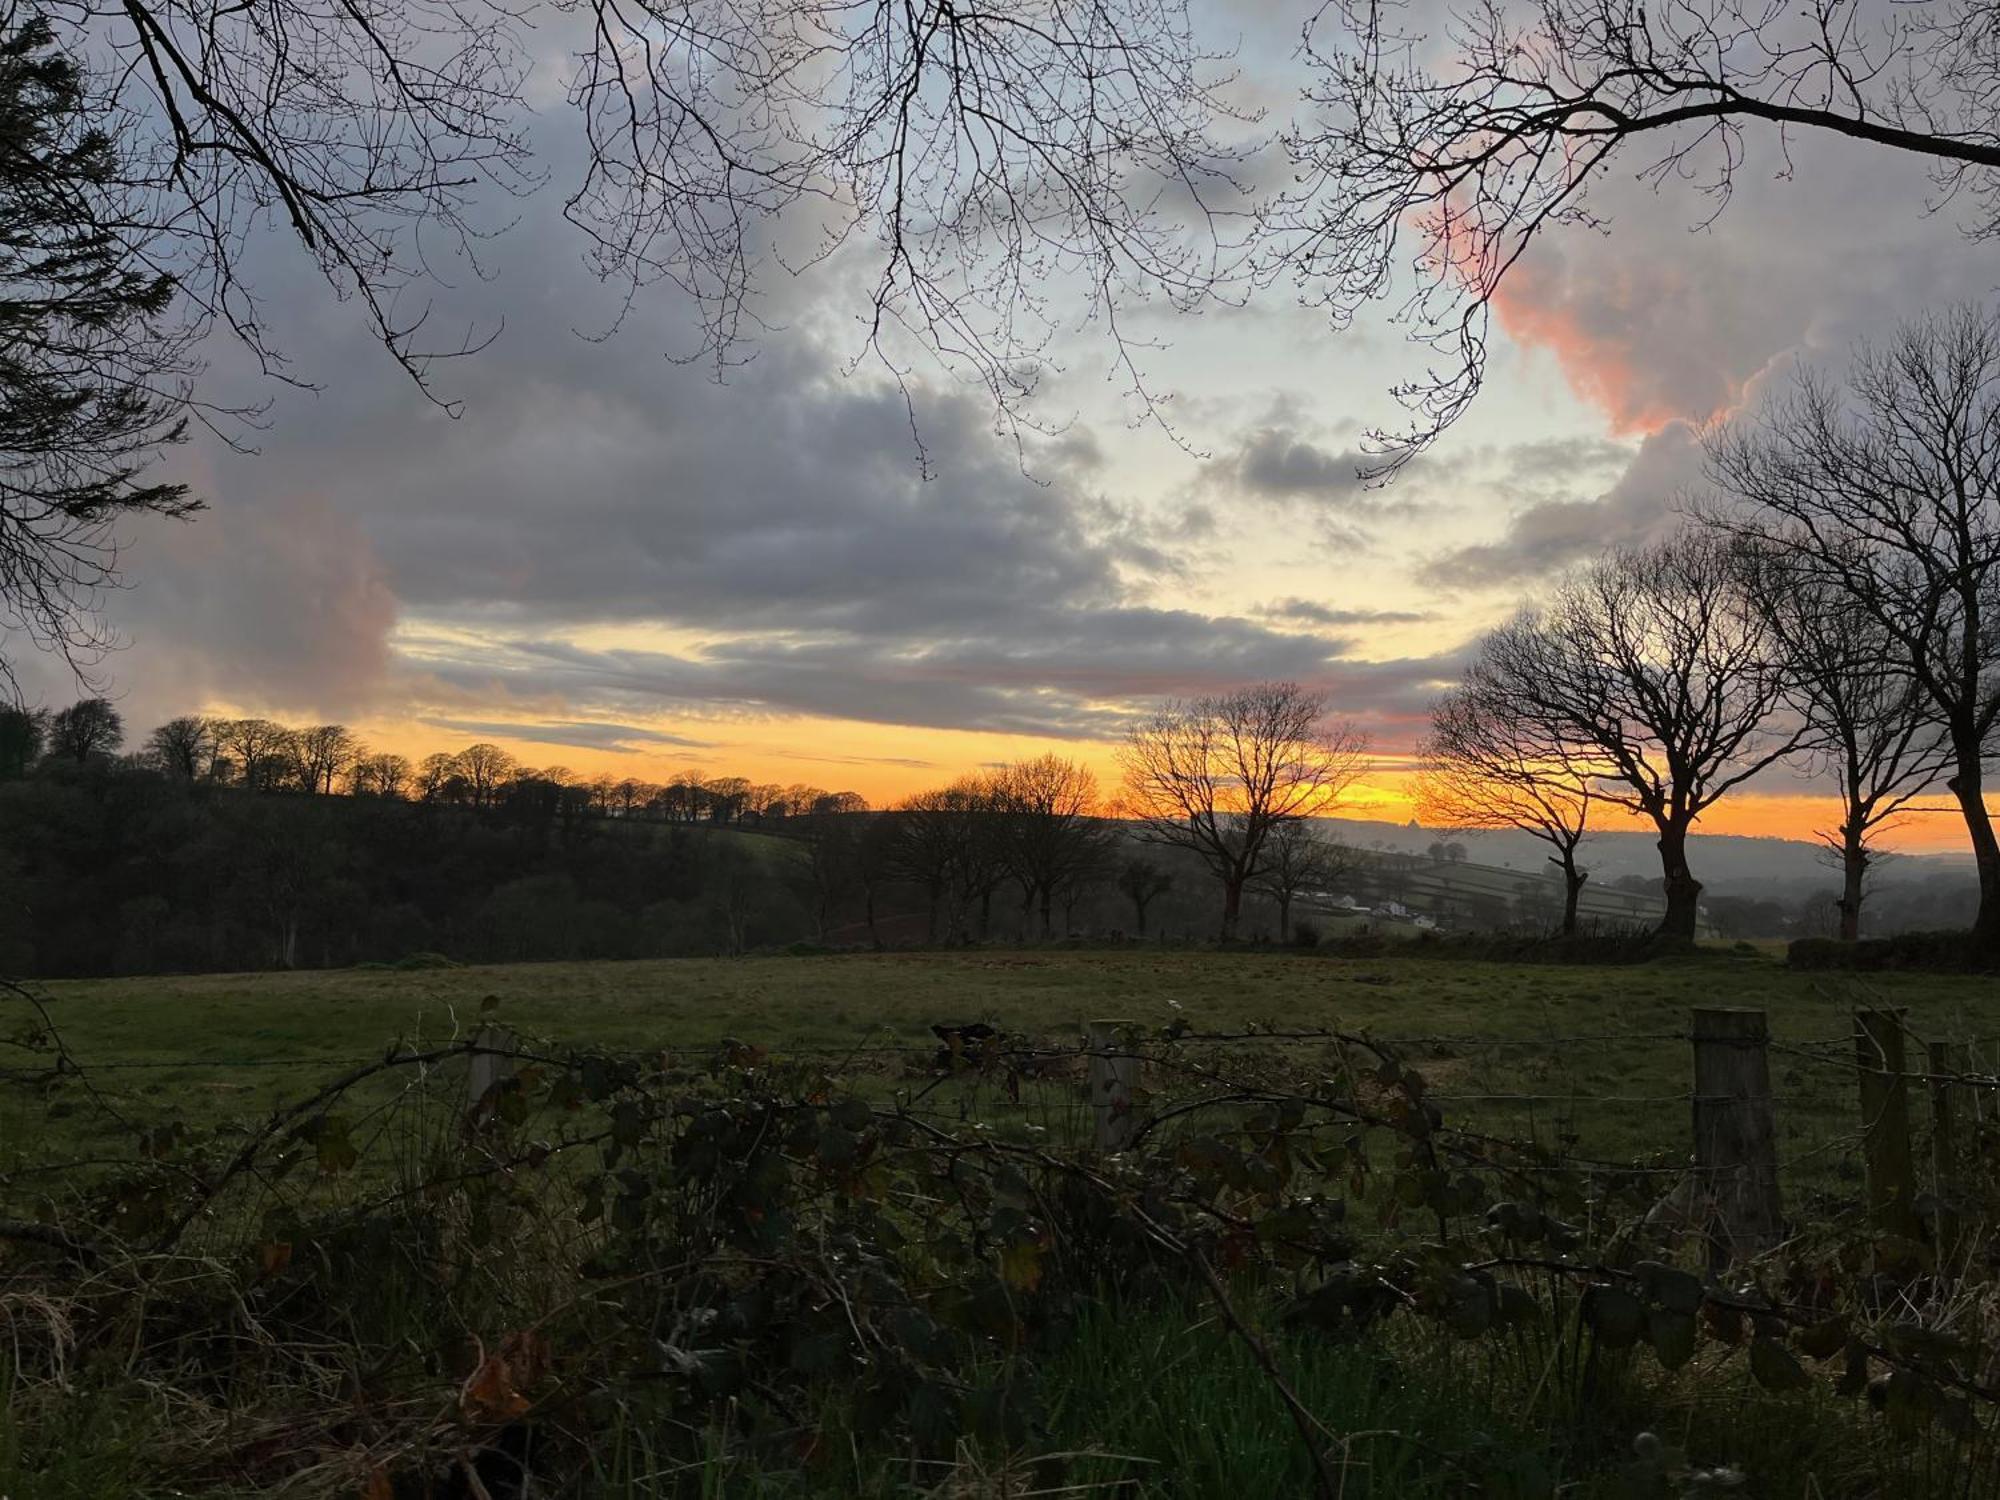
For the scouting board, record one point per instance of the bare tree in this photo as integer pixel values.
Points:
(1142, 882)
(930, 848)
(325, 752)
(1484, 766)
(433, 772)
(1886, 490)
(382, 775)
(1652, 673)
(1298, 860)
(1451, 159)
(1218, 775)
(1044, 816)
(486, 769)
(1873, 733)
(88, 729)
(262, 750)
(185, 746)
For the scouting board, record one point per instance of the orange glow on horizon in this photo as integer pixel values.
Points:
(886, 763)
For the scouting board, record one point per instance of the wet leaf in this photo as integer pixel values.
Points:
(490, 1395)
(1774, 1367)
(1670, 1286)
(1672, 1335)
(1824, 1339)
(1614, 1315)
(1021, 1266)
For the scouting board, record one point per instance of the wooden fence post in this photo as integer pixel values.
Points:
(488, 1068)
(1736, 1130)
(1114, 1073)
(1946, 1060)
(1885, 1121)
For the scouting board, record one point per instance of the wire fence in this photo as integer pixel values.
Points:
(1619, 1099)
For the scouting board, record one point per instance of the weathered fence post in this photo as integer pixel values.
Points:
(1736, 1130)
(1114, 1073)
(1946, 1062)
(488, 1067)
(1885, 1121)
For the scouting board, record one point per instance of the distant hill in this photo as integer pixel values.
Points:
(1724, 862)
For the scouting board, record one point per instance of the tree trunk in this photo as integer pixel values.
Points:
(874, 937)
(1232, 908)
(1853, 868)
(1970, 789)
(1139, 912)
(1284, 920)
(1682, 889)
(1048, 913)
(1573, 880)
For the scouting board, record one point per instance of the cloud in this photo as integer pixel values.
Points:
(622, 739)
(282, 606)
(1276, 463)
(1306, 612)
(1056, 672)
(1678, 312)
(1553, 534)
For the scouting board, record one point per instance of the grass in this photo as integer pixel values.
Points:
(1579, 1052)
(1157, 1400)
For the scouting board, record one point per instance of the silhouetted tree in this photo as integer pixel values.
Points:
(184, 746)
(325, 753)
(1873, 731)
(1887, 490)
(382, 775)
(1141, 882)
(1297, 860)
(434, 772)
(1484, 765)
(21, 735)
(1653, 673)
(86, 730)
(1217, 776)
(485, 769)
(1043, 811)
(261, 750)
(92, 382)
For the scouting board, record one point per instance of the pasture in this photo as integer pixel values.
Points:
(817, 1264)
(1589, 1053)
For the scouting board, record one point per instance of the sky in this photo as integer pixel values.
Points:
(615, 562)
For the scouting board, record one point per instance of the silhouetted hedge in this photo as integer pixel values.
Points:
(1939, 951)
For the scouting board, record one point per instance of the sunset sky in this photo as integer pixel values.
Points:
(612, 561)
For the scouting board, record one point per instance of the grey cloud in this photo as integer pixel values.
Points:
(624, 739)
(1553, 534)
(1275, 462)
(1306, 612)
(1058, 673)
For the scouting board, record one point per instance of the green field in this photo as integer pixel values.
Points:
(1589, 1052)
(1128, 1383)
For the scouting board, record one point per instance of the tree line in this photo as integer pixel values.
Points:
(260, 755)
(1832, 604)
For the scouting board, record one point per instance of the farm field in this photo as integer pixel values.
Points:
(1592, 1055)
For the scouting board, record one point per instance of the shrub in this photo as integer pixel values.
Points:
(411, 962)
(1937, 951)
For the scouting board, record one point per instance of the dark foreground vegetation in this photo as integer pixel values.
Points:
(505, 1266)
